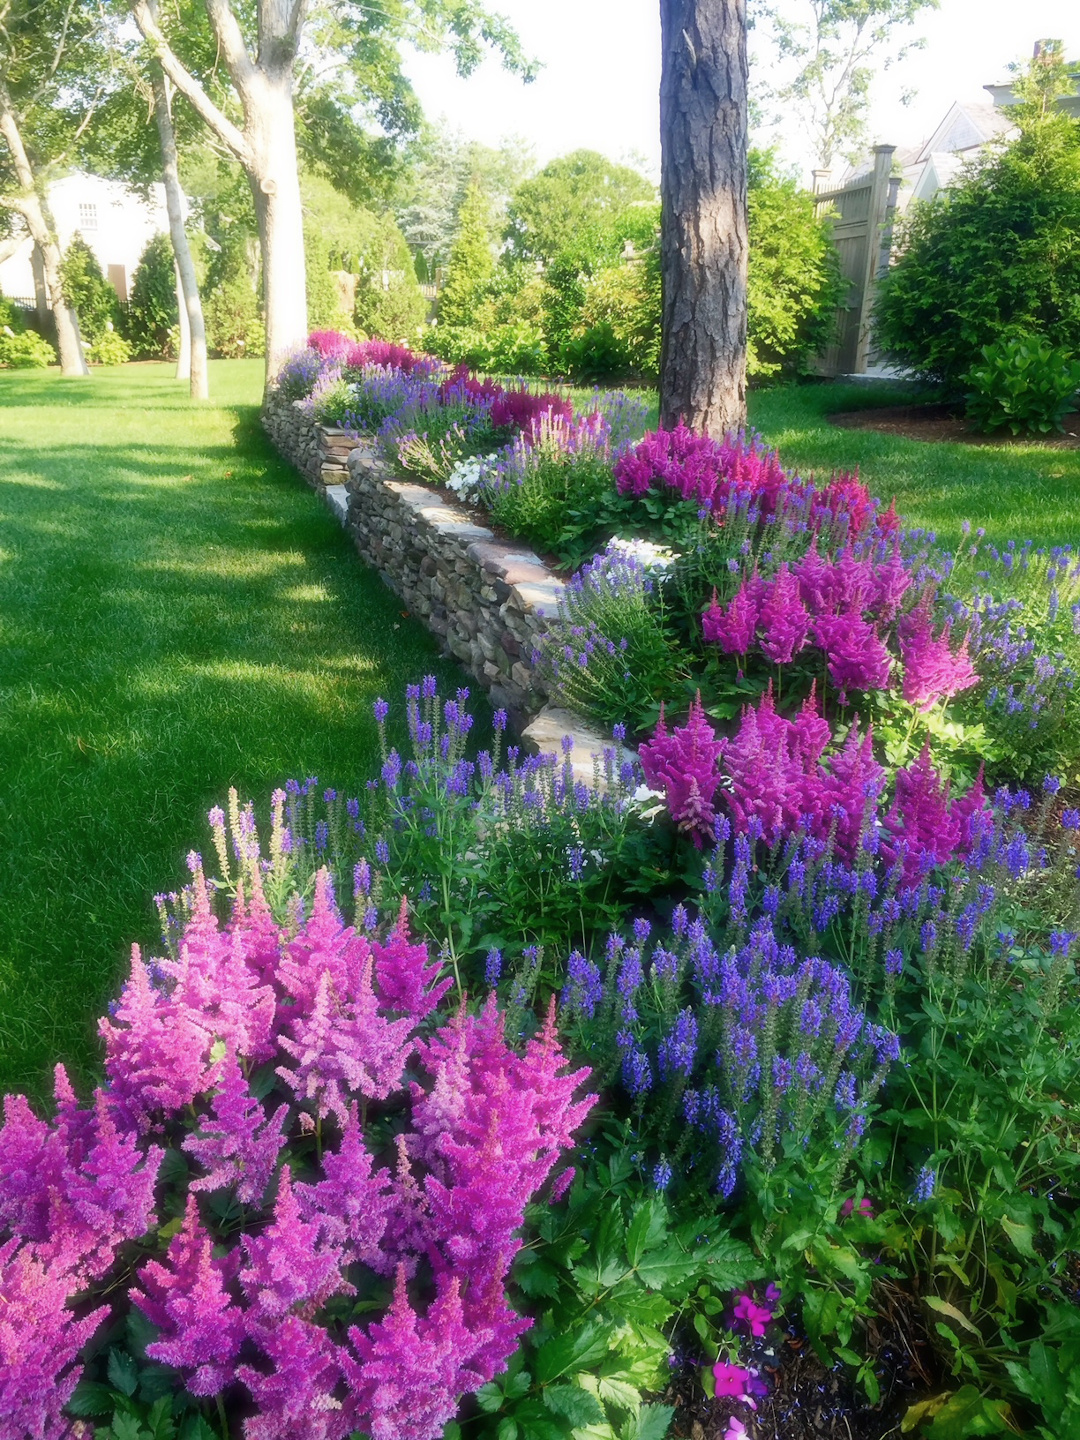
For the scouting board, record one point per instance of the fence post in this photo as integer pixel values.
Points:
(877, 220)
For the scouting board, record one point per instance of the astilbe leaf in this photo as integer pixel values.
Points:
(237, 1143)
(40, 1342)
(202, 1327)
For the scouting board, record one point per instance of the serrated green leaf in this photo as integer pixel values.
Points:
(90, 1398)
(647, 1229)
(126, 1427)
(619, 1392)
(650, 1423)
(507, 1429)
(155, 1381)
(490, 1398)
(139, 1331)
(573, 1404)
(196, 1428)
(564, 1354)
(123, 1372)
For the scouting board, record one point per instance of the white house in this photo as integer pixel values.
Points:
(115, 222)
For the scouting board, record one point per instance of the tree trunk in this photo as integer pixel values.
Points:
(34, 210)
(703, 129)
(183, 349)
(191, 313)
(275, 184)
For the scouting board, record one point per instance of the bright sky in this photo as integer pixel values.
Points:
(598, 87)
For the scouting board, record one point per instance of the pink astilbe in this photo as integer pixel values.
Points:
(524, 410)
(253, 926)
(858, 659)
(212, 979)
(237, 1143)
(202, 1328)
(297, 1399)
(40, 1341)
(31, 1168)
(973, 812)
(931, 671)
(811, 728)
(683, 764)
(323, 946)
(733, 629)
(922, 826)
(291, 1263)
(352, 1203)
(157, 1053)
(330, 344)
(846, 497)
(404, 980)
(783, 619)
(346, 1048)
(413, 1369)
(769, 770)
(891, 582)
(849, 792)
(672, 459)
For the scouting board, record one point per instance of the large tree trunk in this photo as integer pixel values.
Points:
(275, 184)
(703, 129)
(34, 210)
(191, 315)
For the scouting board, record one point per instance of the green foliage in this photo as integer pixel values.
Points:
(87, 291)
(388, 299)
(230, 307)
(152, 308)
(325, 310)
(995, 256)
(471, 262)
(12, 316)
(24, 351)
(794, 280)
(1024, 384)
(610, 1274)
(571, 198)
(109, 348)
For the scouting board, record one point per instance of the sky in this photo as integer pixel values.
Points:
(601, 59)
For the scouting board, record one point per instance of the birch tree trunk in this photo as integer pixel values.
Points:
(703, 128)
(35, 212)
(265, 146)
(183, 349)
(191, 315)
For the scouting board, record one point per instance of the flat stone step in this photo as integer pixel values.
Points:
(337, 497)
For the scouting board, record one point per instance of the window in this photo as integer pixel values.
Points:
(87, 216)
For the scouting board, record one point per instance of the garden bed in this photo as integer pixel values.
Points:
(937, 423)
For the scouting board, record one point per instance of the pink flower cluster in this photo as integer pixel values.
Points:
(523, 409)
(480, 1128)
(358, 354)
(932, 671)
(778, 781)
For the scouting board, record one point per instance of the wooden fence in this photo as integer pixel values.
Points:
(862, 213)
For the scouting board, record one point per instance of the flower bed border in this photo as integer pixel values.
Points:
(486, 601)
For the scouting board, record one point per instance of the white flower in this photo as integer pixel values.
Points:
(653, 559)
(645, 798)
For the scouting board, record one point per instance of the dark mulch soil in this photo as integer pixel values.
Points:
(946, 422)
(808, 1401)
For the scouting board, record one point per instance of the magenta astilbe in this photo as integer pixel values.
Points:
(404, 980)
(330, 344)
(346, 1048)
(202, 1328)
(31, 1167)
(923, 828)
(931, 671)
(413, 1369)
(891, 582)
(524, 410)
(157, 1054)
(255, 930)
(846, 497)
(351, 1202)
(811, 728)
(853, 782)
(323, 946)
(297, 1399)
(783, 619)
(858, 658)
(361, 354)
(237, 1143)
(734, 629)
(684, 765)
(291, 1263)
(674, 459)
(40, 1341)
(769, 768)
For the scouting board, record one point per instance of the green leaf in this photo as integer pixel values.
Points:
(90, 1398)
(650, 1423)
(1020, 1235)
(969, 1413)
(573, 1404)
(155, 1381)
(944, 1308)
(126, 1427)
(490, 1398)
(647, 1229)
(139, 1331)
(507, 1429)
(564, 1354)
(196, 1428)
(616, 1391)
(123, 1372)
(160, 1421)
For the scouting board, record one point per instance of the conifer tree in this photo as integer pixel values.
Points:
(471, 264)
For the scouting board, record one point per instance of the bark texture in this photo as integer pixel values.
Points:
(192, 328)
(703, 127)
(31, 205)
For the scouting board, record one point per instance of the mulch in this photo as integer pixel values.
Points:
(945, 422)
(809, 1401)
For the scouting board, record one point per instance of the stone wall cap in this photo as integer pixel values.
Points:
(545, 734)
(542, 595)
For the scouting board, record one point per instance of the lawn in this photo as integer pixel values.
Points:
(1016, 490)
(178, 614)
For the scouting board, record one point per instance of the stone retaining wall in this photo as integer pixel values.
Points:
(487, 601)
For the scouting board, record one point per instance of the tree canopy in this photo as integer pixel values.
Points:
(570, 197)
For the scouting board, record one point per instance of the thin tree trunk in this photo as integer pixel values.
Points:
(34, 210)
(275, 184)
(703, 129)
(183, 355)
(191, 308)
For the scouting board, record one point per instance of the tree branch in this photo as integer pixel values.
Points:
(232, 44)
(186, 83)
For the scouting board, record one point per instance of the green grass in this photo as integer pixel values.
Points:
(1016, 490)
(178, 614)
